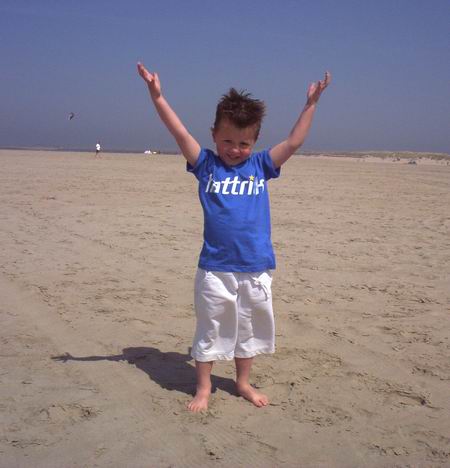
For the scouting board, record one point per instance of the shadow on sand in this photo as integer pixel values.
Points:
(170, 370)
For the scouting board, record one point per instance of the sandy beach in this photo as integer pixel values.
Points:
(98, 257)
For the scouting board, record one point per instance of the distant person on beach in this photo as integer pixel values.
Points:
(98, 148)
(233, 298)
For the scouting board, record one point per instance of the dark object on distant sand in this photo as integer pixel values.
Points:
(412, 162)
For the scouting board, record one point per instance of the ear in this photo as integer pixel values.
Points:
(213, 135)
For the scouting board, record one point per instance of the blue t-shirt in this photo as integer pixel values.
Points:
(236, 210)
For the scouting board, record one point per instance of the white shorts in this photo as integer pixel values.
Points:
(234, 315)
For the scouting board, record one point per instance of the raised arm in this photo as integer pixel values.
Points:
(284, 150)
(186, 142)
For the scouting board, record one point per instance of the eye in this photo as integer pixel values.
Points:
(245, 145)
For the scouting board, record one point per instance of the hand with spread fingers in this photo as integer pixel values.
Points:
(283, 151)
(186, 142)
(316, 89)
(63, 358)
(151, 79)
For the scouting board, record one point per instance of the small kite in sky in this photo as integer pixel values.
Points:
(71, 116)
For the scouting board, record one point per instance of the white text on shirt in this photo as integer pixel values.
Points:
(235, 187)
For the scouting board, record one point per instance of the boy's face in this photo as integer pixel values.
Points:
(234, 145)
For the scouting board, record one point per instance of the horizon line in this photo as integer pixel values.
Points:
(366, 152)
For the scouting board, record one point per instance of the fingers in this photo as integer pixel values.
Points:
(145, 73)
(322, 84)
(316, 88)
(326, 81)
(140, 68)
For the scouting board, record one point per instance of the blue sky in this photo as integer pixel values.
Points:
(389, 60)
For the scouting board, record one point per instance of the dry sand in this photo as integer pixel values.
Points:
(97, 261)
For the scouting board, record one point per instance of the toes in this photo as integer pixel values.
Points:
(196, 407)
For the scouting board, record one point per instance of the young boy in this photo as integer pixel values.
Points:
(233, 300)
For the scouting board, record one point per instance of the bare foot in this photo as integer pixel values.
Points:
(250, 394)
(200, 401)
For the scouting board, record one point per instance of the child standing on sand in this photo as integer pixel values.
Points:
(233, 299)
